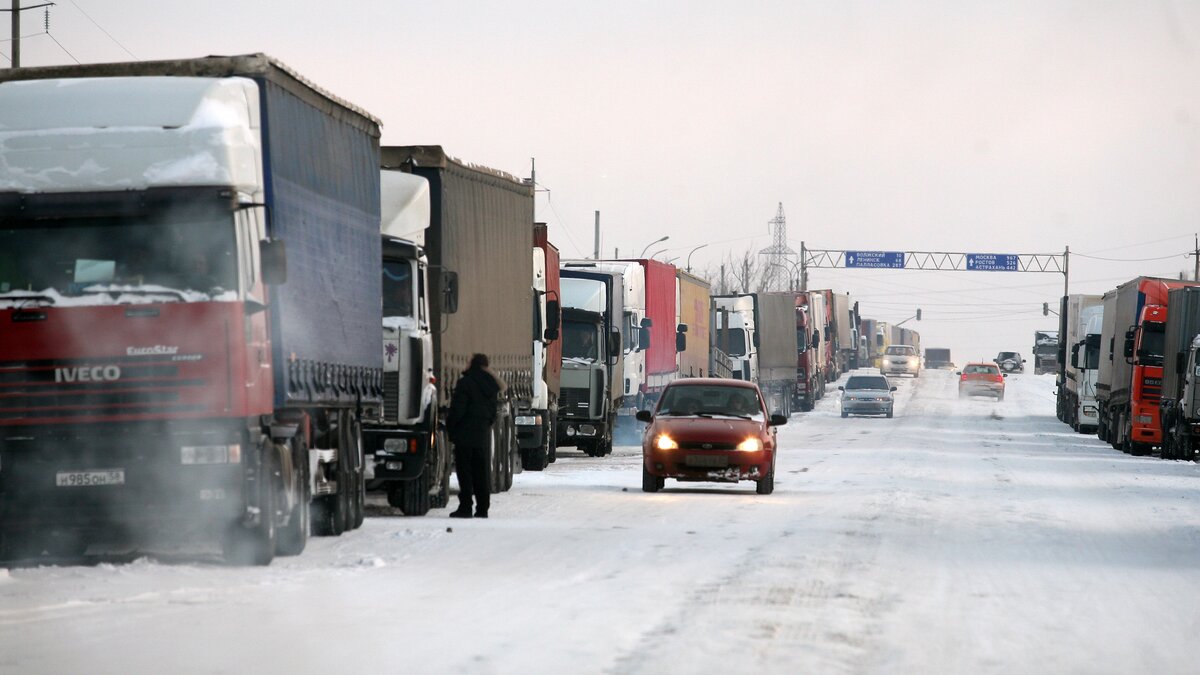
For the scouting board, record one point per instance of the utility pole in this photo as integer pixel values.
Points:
(596, 248)
(16, 27)
(1196, 255)
(803, 268)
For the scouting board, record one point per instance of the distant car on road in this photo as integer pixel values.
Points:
(712, 430)
(867, 395)
(981, 379)
(1010, 362)
(900, 359)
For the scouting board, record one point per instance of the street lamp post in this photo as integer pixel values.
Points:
(689, 258)
(795, 270)
(643, 255)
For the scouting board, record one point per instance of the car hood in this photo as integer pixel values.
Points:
(683, 429)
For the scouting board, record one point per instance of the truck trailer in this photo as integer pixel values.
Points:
(1180, 405)
(1076, 395)
(167, 369)
(479, 240)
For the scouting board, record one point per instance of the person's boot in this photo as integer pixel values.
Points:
(463, 511)
(481, 513)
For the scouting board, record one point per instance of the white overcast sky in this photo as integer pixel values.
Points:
(1006, 127)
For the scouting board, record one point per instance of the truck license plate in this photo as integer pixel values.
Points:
(87, 478)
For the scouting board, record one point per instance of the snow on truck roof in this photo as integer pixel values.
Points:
(245, 65)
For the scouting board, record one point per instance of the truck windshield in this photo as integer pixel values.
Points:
(580, 340)
(585, 294)
(1153, 338)
(187, 255)
(733, 341)
(397, 288)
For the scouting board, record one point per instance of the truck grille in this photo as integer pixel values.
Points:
(1151, 389)
(130, 385)
(574, 402)
(391, 395)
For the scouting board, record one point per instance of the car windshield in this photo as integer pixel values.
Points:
(1007, 355)
(980, 369)
(867, 382)
(714, 399)
(900, 350)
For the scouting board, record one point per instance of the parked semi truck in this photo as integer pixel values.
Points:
(809, 387)
(1076, 396)
(818, 312)
(693, 304)
(480, 229)
(844, 332)
(1180, 405)
(763, 327)
(165, 368)
(593, 339)
(1129, 382)
(404, 441)
(536, 423)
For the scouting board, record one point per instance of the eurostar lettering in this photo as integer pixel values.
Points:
(156, 350)
(93, 374)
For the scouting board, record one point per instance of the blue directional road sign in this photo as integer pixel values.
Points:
(993, 262)
(875, 259)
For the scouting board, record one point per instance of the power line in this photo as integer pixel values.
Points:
(563, 222)
(1165, 257)
(110, 37)
(60, 46)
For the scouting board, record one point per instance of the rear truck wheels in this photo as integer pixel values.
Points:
(650, 482)
(766, 484)
(292, 538)
(255, 545)
(411, 496)
(552, 439)
(513, 455)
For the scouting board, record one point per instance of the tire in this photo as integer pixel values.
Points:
(766, 484)
(889, 414)
(350, 445)
(441, 498)
(256, 545)
(552, 439)
(999, 397)
(845, 414)
(291, 539)
(411, 496)
(650, 482)
(511, 449)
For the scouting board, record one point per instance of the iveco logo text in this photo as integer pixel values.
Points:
(93, 374)
(150, 351)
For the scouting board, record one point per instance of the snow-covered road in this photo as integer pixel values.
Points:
(959, 537)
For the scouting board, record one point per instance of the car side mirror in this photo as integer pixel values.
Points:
(958, 372)
(778, 420)
(274, 261)
(644, 416)
(841, 389)
(894, 388)
(1005, 374)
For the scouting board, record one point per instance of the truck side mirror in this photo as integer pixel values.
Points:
(553, 320)
(680, 342)
(1181, 363)
(644, 336)
(449, 292)
(816, 339)
(274, 261)
(614, 344)
(1128, 351)
(1075, 356)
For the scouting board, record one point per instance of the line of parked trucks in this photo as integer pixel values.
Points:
(1128, 366)
(227, 312)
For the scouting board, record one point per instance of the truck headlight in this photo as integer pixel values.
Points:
(529, 420)
(665, 442)
(751, 444)
(211, 454)
(1144, 419)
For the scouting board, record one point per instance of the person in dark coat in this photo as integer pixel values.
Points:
(472, 412)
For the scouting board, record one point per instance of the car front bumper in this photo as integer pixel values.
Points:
(720, 466)
(863, 407)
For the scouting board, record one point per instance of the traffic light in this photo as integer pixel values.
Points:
(918, 314)
(1045, 309)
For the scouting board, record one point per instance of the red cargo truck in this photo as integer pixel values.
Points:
(809, 386)
(661, 360)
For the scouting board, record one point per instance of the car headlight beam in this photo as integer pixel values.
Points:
(751, 444)
(665, 442)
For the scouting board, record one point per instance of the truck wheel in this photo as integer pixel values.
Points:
(552, 441)
(411, 496)
(293, 537)
(650, 482)
(766, 484)
(256, 545)
(350, 463)
(441, 498)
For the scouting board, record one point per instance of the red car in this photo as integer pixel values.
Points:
(711, 430)
(981, 378)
